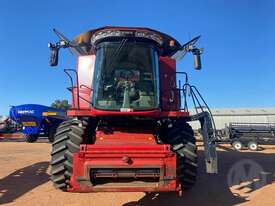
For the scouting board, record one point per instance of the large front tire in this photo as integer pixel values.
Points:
(181, 138)
(66, 142)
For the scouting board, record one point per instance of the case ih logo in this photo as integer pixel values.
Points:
(25, 111)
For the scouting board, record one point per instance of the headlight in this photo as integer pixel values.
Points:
(117, 33)
(150, 35)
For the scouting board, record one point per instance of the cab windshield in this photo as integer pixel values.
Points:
(126, 77)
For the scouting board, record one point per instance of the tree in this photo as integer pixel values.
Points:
(61, 104)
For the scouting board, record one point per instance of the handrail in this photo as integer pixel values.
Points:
(77, 83)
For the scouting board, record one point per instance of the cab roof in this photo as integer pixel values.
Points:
(166, 43)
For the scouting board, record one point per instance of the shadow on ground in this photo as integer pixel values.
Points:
(11, 139)
(22, 181)
(212, 190)
(23, 139)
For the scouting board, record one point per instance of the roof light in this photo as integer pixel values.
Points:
(150, 35)
(126, 33)
(104, 34)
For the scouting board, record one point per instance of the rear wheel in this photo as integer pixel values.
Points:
(237, 145)
(253, 146)
(31, 138)
(66, 142)
(181, 138)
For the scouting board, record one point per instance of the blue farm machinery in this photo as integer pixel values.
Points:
(37, 120)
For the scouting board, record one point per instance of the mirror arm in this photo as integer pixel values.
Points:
(55, 51)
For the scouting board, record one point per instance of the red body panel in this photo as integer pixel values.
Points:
(112, 157)
(169, 94)
(82, 93)
(85, 71)
(124, 137)
(84, 97)
(153, 113)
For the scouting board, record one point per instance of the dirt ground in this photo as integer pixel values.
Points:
(24, 173)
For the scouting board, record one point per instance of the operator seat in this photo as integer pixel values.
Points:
(146, 94)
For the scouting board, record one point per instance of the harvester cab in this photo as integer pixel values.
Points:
(129, 129)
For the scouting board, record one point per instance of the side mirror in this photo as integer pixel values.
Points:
(197, 58)
(54, 55)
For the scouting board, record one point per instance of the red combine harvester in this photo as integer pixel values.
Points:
(129, 126)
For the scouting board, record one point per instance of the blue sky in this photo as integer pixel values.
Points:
(238, 37)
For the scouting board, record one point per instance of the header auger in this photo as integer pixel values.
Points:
(129, 126)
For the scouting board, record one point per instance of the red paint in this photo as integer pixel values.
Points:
(151, 113)
(84, 98)
(169, 93)
(124, 137)
(111, 156)
(85, 71)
